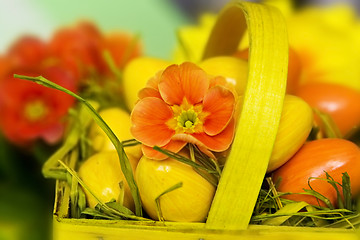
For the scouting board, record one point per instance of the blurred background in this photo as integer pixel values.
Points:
(156, 22)
(26, 198)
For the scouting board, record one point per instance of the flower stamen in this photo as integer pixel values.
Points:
(35, 110)
(187, 118)
(187, 121)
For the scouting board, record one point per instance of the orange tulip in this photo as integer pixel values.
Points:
(184, 105)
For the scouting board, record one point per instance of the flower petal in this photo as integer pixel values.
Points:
(154, 81)
(53, 134)
(218, 80)
(185, 80)
(151, 88)
(195, 82)
(173, 145)
(225, 82)
(219, 102)
(148, 92)
(207, 152)
(149, 118)
(219, 142)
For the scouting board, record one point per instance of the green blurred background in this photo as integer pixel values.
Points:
(155, 20)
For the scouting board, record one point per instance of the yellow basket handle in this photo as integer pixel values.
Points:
(246, 165)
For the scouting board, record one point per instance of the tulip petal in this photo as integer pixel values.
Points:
(149, 118)
(173, 146)
(185, 80)
(219, 102)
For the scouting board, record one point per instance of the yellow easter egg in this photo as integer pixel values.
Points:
(119, 122)
(294, 128)
(189, 203)
(235, 70)
(137, 73)
(102, 174)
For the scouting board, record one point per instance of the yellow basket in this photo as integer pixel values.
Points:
(246, 165)
(85, 229)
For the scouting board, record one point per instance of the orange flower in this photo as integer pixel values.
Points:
(29, 111)
(184, 105)
(27, 52)
(78, 48)
(123, 47)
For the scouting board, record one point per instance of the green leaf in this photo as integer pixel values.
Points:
(97, 214)
(81, 200)
(121, 196)
(74, 198)
(331, 130)
(120, 208)
(317, 194)
(326, 214)
(346, 187)
(317, 222)
(130, 143)
(335, 184)
(288, 211)
(350, 221)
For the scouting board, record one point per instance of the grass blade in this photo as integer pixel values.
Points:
(157, 199)
(124, 161)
